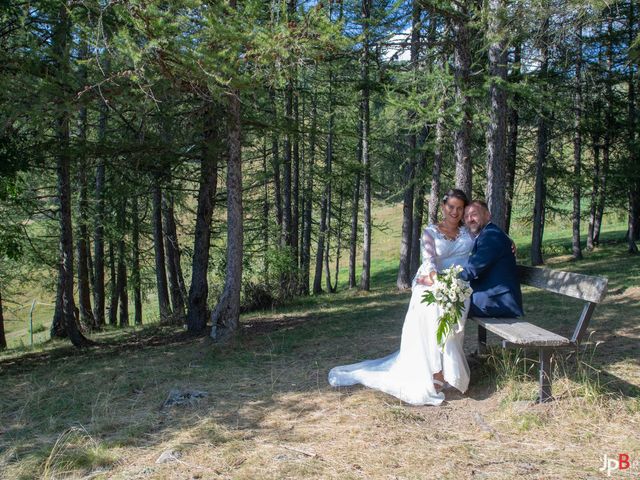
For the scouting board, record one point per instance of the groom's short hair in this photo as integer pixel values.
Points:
(480, 203)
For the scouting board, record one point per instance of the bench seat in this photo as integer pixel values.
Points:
(518, 333)
(521, 333)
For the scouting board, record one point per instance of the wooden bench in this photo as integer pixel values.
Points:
(519, 333)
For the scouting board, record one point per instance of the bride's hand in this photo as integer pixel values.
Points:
(427, 280)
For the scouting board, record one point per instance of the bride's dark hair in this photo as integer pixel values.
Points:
(456, 193)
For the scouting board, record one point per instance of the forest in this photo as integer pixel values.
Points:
(189, 161)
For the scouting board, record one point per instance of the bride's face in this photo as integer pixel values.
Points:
(453, 210)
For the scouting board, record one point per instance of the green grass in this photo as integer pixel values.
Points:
(558, 241)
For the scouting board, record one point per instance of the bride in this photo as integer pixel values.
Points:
(418, 371)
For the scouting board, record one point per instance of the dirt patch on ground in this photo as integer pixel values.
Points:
(632, 293)
(274, 323)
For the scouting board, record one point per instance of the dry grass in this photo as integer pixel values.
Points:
(269, 413)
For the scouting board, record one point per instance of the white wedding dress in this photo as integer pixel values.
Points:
(408, 373)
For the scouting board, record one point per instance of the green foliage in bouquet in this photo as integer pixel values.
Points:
(448, 292)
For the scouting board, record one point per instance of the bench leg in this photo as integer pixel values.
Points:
(545, 376)
(482, 340)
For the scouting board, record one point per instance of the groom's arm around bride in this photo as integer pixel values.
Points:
(491, 267)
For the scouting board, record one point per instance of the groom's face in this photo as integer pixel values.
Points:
(476, 217)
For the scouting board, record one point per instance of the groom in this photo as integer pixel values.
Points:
(491, 267)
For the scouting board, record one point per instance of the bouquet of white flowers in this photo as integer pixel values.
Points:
(449, 292)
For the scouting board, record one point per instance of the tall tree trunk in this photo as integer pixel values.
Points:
(135, 265)
(497, 128)
(182, 285)
(594, 192)
(308, 206)
(84, 292)
(418, 207)
(596, 137)
(275, 154)
(265, 212)
(295, 194)
(353, 235)
(121, 284)
(301, 130)
(60, 43)
(606, 147)
(91, 272)
(287, 218)
(317, 279)
(540, 193)
(462, 73)
(512, 142)
(331, 288)
(287, 240)
(339, 240)
(158, 245)
(421, 176)
(291, 185)
(634, 183)
(98, 239)
(403, 280)
(98, 235)
(434, 195)
(66, 237)
(577, 149)
(637, 210)
(322, 251)
(634, 212)
(328, 173)
(541, 157)
(327, 250)
(57, 329)
(123, 292)
(365, 277)
(172, 251)
(113, 298)
(199, 290)
(355, 207)
(226, 316)
(286, 169)
(3, 339)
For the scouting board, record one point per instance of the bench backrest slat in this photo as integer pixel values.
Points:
(576, 285)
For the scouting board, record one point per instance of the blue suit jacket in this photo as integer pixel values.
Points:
(491, 270)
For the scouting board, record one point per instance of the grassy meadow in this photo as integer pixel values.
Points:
(268, 412)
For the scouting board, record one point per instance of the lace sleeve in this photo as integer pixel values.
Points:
(428, 254)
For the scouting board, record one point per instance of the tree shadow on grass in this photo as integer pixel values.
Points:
(127, 340)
